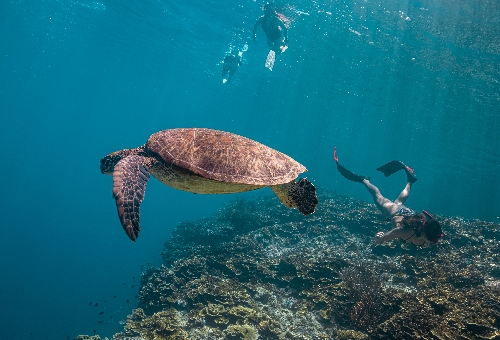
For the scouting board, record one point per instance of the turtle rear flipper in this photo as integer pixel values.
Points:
(130, 177)
(300, 195)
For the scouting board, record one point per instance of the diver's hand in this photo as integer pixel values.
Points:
(379, 238)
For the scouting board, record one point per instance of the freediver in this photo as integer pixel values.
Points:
(420, 229)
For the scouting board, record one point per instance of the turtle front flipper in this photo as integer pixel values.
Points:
(300, 195)
(130, 177)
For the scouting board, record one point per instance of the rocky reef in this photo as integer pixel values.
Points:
(257, 270)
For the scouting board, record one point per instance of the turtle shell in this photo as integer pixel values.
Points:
(224, 156)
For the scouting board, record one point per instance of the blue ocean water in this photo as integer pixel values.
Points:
(412, 80)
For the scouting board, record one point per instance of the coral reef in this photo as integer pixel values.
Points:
(256, 270)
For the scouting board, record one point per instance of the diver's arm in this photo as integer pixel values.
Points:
(285, 30)
(390, 235)
(257, 24)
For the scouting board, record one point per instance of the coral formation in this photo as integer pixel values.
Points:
(257, 270)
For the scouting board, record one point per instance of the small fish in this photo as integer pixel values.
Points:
(100, 321)
(128, 301)
(114, 296)
(96, 304)
(90, 304)
(101, 313)
(132, 286)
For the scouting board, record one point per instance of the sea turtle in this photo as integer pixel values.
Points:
(203, 161)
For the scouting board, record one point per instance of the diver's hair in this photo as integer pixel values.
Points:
(414, 222)
(431, 228)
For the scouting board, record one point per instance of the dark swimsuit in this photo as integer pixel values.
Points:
(272, 31)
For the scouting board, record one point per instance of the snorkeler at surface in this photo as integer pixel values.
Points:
(420, 229)
(273, 26)
(229, 66)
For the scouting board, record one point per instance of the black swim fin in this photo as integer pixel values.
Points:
(394, 166)
(347, 173)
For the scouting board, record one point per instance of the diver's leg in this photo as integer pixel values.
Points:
(274, 45)
(277, 46)
(283, 46)
(269, 43)
(386, 206)
(403, 196)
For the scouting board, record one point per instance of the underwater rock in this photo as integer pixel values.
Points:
(256, 270)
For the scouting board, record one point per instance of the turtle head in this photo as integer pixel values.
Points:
(108, 162)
